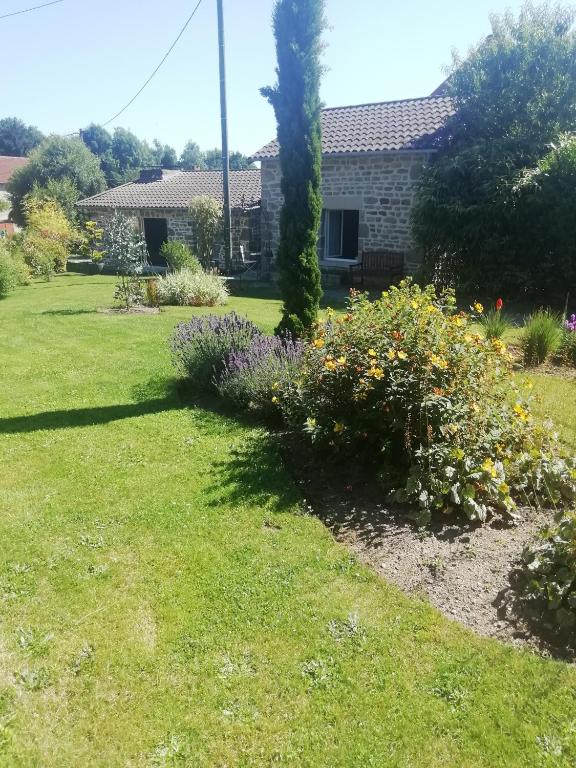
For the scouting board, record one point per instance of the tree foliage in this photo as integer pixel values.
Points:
(514, 94)
(298, 26)
(57, 159)
(206, 219)
(238, 162)
(192, 157)
(18, 139)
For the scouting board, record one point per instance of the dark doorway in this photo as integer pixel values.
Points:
(156, 234)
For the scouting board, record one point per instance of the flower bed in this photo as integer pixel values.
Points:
(404, 386)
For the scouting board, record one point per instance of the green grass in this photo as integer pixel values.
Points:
(164, 600)
(555, 398)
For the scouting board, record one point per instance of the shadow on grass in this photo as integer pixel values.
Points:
(67, 312)
(253, 473)
(84, 417)
(154, 396)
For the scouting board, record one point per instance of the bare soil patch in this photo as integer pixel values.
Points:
(469, 572)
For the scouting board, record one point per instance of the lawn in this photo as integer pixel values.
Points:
(166, 600)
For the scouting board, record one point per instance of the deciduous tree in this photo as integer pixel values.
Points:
(514, 94)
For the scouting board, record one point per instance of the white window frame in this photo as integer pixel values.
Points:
(324, 257)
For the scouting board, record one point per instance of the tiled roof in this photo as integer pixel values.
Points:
(177, 188)
(387, 126)
(8, 165)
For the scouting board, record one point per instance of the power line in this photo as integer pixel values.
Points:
(168, 52)
(27, 10)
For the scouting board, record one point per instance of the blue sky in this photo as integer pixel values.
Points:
(79, 62)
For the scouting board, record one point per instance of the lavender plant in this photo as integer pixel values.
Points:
(567, 351)
(253, 378)
(201, 346)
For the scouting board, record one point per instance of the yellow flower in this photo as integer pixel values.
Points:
(375, 372)
(274, 399)
(521, 412)
(439, 362)
(468, 338)
(318, 343)
(489, 468)
(415, 305)
(402, 355)
(342, 360)
(310, 423)
(431, 308)
(478, 307)
(391, 354)
(275, 386)
(338, 427)
(498, 345)
(458, 321)
(372, 352)
(330, 365)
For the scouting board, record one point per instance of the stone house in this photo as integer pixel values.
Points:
(7, 167)
(158, 203)
(372, 158)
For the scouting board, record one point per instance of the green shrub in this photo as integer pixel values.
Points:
(179, 256)
(251, 378)
(550, 568)
(403, 386)
(47, 238)
(541, 337)
(189, 288)
(201, 346)
(566, 354)
(152, 292)
(495, 324)
(9, 276)
(11, 249)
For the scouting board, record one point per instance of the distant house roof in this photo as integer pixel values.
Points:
(176, 189)
(8, 165)
(407, 125)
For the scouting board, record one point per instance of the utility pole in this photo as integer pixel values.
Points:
(225, 148)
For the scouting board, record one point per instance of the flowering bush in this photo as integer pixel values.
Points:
(201, 346)
(550, 568)
(404, 385)
(251, 378)
(192, 288)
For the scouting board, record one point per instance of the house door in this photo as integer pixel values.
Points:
(156, 234)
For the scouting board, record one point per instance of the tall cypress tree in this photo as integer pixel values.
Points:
(298, 26)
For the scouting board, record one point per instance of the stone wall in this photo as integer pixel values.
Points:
(245, 225)
(380, 187)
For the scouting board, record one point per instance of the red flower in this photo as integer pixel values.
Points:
(499, 305)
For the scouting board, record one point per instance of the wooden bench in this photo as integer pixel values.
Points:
(386, 266)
